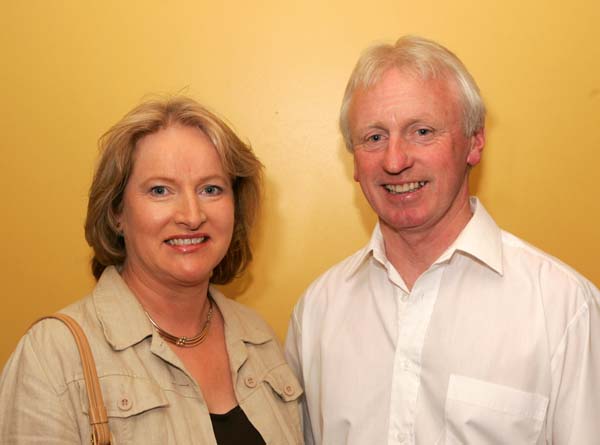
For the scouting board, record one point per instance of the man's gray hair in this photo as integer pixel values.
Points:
(424, 58)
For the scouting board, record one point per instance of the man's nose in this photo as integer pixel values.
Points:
(190, 212)
(397, 156)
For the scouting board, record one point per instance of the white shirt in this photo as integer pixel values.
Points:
(496, 343)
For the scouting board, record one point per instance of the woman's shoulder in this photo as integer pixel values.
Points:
(48, 329)
(79, 310)
(49, 345)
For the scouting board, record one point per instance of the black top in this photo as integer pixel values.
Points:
(234, 428)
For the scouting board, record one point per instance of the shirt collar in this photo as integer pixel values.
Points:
(374, 249)
(481, 239)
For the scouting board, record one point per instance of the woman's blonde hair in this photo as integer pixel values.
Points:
(117, 147)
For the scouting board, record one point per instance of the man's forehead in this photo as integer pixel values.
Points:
(407, 77)
(397, 89)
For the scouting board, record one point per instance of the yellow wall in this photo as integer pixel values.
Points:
(277, 70)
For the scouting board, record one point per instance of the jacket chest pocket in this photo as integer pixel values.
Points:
(479, 412)
(272, 405)
(135, 409)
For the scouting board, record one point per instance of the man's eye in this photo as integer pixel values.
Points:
(424, 131)
(375, 138)
(158, 190)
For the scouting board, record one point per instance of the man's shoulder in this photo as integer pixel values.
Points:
(338, 277)
(548, 269)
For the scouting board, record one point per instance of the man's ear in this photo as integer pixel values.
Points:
(477, 143)
(355, 168)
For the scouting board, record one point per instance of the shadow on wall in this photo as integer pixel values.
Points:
(477, 173)
(257, 272)
(368, 218)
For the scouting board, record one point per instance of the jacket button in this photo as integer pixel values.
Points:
(124, 403)
(250, 382)
(288, 390)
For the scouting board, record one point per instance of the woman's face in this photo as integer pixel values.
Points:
(178, 209)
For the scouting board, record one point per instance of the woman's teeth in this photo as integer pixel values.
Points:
(185, 241)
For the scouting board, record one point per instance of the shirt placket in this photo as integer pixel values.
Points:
(413, 315)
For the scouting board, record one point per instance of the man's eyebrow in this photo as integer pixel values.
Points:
(371, 125)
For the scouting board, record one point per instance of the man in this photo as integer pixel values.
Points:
(444, 329)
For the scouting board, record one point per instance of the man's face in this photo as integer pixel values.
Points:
(411, 156)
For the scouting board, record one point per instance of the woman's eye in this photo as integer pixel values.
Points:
(158, 190)
(212, 190)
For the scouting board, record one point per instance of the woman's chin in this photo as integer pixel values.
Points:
(191, 278)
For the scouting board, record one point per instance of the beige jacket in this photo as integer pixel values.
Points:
(149, 396)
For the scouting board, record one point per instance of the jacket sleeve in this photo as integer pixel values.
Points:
(32, 409)
(575, 402)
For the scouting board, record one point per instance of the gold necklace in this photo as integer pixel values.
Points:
(186, 342)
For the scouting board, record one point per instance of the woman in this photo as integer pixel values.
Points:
(170, 208)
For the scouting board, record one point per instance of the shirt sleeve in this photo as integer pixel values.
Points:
(293, 354)
(575, 405)
(32, 411)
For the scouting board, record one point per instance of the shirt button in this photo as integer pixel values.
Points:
(288, 390)
(124, 403)
(250, 382)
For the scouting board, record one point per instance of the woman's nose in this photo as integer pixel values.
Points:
(190, 212)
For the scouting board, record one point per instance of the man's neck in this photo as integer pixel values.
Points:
(412, 252)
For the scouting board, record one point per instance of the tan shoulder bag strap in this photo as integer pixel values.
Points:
(97, 410)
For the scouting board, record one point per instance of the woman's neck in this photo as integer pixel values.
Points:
(179, 309)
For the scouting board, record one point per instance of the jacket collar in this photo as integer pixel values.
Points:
(125, 324)
(120, 314)
(236, 326)
(242, 326)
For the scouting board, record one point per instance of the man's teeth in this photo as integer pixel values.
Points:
(185, 241)
(403, 188)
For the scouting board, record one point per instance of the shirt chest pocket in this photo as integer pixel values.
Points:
(134, 407)
(479, 412)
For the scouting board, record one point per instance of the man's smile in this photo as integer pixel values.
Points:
(404, 188)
